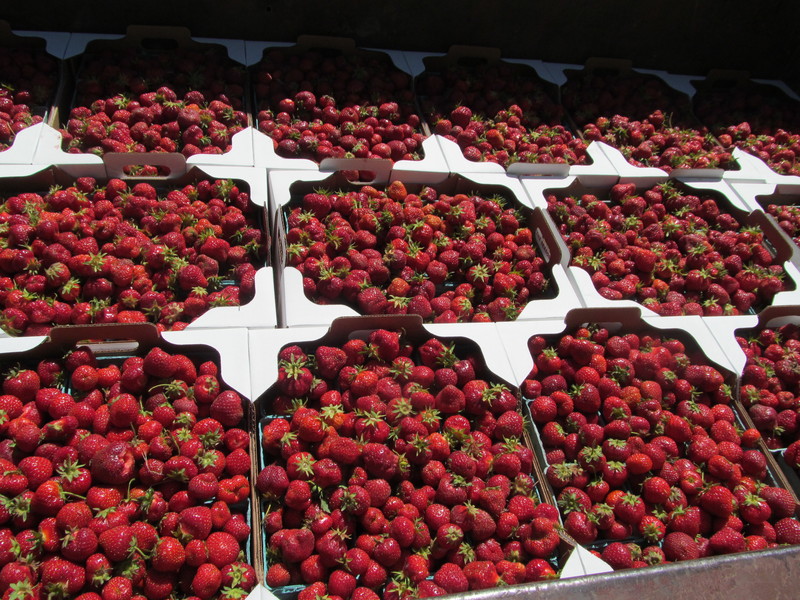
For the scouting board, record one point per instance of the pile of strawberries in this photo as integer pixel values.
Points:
(759, 119)
(769, 386)
(589, 94)
(498, 113)
(187, 100)
(673, 251)
(122, 480)
(324, 104)
(788, 218)
(445, 258)
(644, 118)
(642, 442)
(89, 253)
(27, 85)
(395, 467)
(653, 142)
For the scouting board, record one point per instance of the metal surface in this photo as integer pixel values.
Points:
(769, 574)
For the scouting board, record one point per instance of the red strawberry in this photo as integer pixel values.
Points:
(113, 464)
(679, 546)
(159, 364)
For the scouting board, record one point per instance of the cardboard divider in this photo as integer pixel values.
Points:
(295, 309)
(23, 149)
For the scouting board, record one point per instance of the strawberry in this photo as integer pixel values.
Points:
(787, 531)
(206, 581)
(159, 364)
(727, 541)
(227, 408)
(113, 464)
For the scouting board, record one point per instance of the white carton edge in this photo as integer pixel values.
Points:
(55, 41)
(581, 562)
(534, 188)
(24, 147)
(255, 178)
(717, 185)
(263, 348)
(254, 50)
(240, 154)
(601, 171)
(302, 312)
(259, 312)
(754, 169)
(416, 61)
(236, 48)
(515, 336)
(79, 41)
(695, 327)
(557, 71)
(458, 164)
(681, 83)
(48, 152)
(537, 65)
(14, 345)
(781, 86)
(541, 67)
(233, 353)
(512, 183)
(566, 300)
(789, 297)
(628, 172)
(20, 170)
(724, 331)
(261, 593)
(265, 157)
(426, 170)
(748, 191)
(592, 299)
(488, 339)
